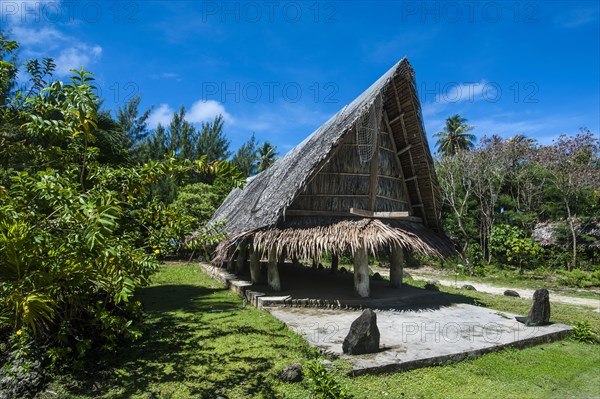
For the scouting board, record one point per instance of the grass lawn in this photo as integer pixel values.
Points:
(496, 277)
(514, 280)
(202, 343)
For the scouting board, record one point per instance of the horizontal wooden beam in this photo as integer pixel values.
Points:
(344, 174)
(302, 212)
(386, 215)
(403, 216)
(397, 118)
(362, 145)
(334, 195)
(357, 175)
(372, 214)
(402, 151)
(392, 199)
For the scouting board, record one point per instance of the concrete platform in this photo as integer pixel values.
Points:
(418, 328)
(306, 287)
(419, 337)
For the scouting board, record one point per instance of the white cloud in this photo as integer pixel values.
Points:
(165, 75)
(577, 17)
(46, 36)
(456, 93)
(75, 57)
(162, 115)
(207, 110)
(466, 92)
(37, 25)
(200, 111)
(432, 109)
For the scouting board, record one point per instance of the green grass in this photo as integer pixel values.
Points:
(560, 370)
(514, 280)
(202, 343)
(560, 312)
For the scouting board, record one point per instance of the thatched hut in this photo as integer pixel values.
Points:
(362, 183)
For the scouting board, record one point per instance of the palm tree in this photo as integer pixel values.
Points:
(267, 155)
(455, 138)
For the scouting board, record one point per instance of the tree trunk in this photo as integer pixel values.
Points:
(571, 219)
(465, 258)
(574, 263)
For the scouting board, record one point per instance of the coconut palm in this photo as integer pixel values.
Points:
(454, 137)
(267, 155)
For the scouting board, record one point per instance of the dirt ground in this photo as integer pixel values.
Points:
(444, 279)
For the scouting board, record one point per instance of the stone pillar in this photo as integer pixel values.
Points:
(335, 260)
(241, 258)
(255, 274)
(282, 257)
(273, 271)
(396, 266)
(361, 272)
(231, 264)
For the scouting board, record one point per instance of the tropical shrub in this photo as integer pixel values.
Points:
(198, 201)
(322, 383)
(74, 244)
(583, 332)
(510, 246)
(578, 278)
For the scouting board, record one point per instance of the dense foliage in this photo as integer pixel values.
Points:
(81, 221)
(89, 203)
(498, 193)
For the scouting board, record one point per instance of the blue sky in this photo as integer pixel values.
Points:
(282, 68)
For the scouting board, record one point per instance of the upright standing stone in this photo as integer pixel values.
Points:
(361, 272)
(396, 266)
(273, 271)
(363, 336)
(539, 314)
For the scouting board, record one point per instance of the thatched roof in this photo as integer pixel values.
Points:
(271, 202)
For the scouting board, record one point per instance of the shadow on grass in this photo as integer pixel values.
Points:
(192, 344)
(187, 298)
